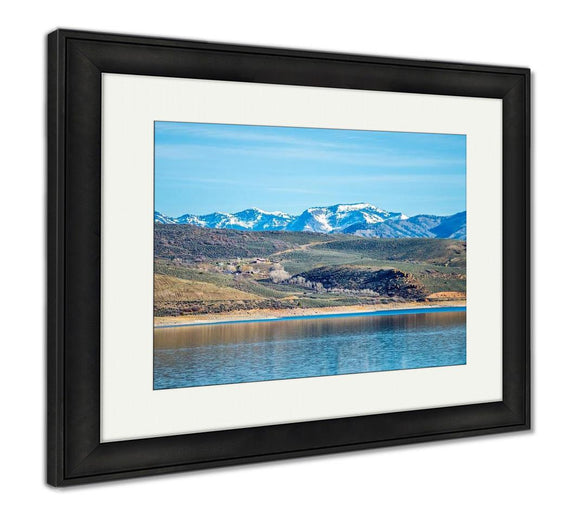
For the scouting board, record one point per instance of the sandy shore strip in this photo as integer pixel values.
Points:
(267, 314)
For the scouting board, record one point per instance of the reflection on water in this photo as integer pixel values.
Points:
(211, 354)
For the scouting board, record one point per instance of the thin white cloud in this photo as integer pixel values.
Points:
(401, 178)
(234, 134)
(303, 191)
(362, 159)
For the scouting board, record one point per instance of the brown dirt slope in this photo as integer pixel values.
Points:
(170, 288)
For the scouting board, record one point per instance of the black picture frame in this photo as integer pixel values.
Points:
(75, 62)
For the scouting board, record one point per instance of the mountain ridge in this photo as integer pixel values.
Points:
(359, 219)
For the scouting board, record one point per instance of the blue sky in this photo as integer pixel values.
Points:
(203, 168)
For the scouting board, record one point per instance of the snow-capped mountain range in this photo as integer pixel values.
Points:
(249, 219)
(361, 219)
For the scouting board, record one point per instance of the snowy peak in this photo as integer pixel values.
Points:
(340, 216)
(164, 220)
(256, 219)
(442, 227)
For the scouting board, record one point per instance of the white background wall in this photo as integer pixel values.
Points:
(537, 468)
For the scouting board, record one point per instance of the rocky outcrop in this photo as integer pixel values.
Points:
(382, 282)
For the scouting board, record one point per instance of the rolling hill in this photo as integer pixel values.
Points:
(201, 271)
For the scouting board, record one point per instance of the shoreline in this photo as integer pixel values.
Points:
(303, 313)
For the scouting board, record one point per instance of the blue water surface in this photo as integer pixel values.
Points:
(250, 351)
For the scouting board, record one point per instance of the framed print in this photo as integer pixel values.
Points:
(259, 253)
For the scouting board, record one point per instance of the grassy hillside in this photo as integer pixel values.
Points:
(192, 244)
(435, 251)
(207, 270)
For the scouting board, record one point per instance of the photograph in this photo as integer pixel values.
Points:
(290, 252)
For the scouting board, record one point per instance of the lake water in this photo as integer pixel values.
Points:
(249, 351)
